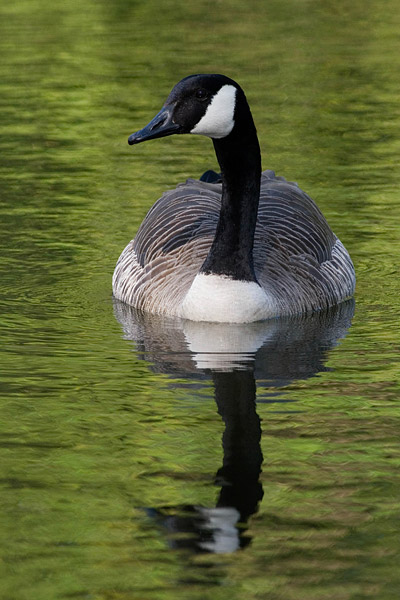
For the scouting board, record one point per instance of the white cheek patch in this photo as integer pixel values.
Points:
(218, 121)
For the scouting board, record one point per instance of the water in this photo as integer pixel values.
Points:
(141, 459)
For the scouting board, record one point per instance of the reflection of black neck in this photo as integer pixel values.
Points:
(235, 394)
(215, 529)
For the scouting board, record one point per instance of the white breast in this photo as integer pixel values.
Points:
(216, 298)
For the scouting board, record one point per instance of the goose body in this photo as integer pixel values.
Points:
(248, 248)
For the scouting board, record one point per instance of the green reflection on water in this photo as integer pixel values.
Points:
(90, 434)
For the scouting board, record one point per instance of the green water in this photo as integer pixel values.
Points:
(126, 442)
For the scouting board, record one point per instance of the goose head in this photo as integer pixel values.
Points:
(210, 105)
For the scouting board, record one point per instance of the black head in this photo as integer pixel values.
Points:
(202, 104)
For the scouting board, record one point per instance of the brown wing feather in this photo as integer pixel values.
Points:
(297, 256)
(157, 268)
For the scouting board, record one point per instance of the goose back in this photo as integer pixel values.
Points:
(298, 260)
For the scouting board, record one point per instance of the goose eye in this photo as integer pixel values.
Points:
(201, 94)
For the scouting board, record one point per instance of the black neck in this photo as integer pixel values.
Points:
(238, 154)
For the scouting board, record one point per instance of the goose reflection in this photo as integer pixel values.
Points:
(234, 357)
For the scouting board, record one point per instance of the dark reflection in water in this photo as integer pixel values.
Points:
(235, 357)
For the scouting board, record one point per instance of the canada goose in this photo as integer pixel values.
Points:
(251, 248)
